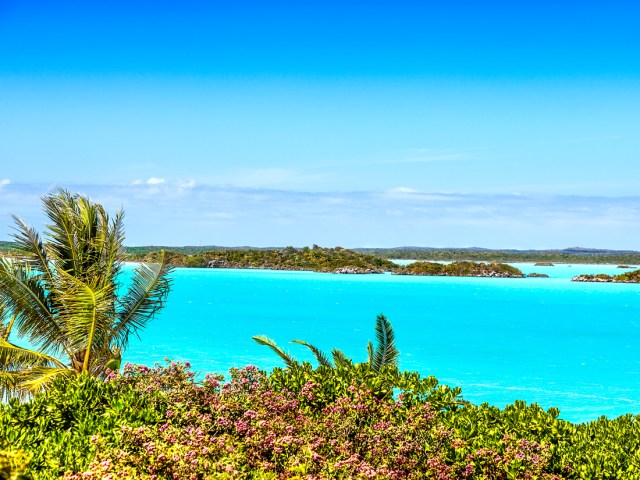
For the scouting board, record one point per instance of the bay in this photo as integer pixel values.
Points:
(575, 346)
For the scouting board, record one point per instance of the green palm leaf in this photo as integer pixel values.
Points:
(268, 342)
(14, 361)
(321, 358)
(14, 357)
(340, 359)
(29, 243)
(22, 294)
(10, 385)
(39, 378)
(146, 296)
(87, 314)
(385, 352)
(63, 230)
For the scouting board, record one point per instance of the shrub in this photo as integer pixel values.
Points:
(344, 422)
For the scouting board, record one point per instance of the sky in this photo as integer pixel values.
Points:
(360, 124)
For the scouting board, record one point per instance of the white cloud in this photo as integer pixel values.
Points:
(402, 190)
(155, 181)
(4, 182)
(185, 212)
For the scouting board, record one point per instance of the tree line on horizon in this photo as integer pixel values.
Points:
(571, 255)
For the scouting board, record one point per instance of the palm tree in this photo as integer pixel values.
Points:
(61, 311)
(382, 355)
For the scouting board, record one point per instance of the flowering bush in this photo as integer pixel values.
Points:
(248, 428)
(159, 423)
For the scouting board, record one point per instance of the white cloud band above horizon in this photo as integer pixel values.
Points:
(184, 212)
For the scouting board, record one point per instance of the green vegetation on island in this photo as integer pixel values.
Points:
(460, 269)
(315, 259)
(569, 255)
(337, 260)
(627, 277)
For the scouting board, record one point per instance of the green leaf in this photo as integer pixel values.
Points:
(268, 342)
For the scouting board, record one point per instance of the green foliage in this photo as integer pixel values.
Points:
(627, 277)
(56, 427)
(333, 383)
(340, 422)
(383, 354)
(460, 269)
(268, 342)
(6, 247)
(13, 465)
(510, 256)
(314, 259)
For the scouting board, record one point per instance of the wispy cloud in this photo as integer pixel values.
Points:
(4, 182)
(149, 181)
(187, 212)
(285, 178)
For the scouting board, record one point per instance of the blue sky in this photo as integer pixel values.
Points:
(456, 124)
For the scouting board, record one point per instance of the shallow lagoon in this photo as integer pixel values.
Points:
(547, 340)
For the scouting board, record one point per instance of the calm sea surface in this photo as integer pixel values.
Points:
(546, 340)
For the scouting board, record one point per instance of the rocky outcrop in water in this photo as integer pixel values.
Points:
(356, 270)
(538, 275)
(600, 277)
(219, 263)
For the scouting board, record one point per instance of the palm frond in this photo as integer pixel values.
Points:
(385, 352)
(321, 358)
(370, 351)
(87, 314)
(38, 378)
(14, 358)
(6, 322)
(62, 232)
(146, 296)
(340, 359)
(111, 258)
(14, 361)
(10, 386)
(268, 342)
(23, 295)
(29, 243)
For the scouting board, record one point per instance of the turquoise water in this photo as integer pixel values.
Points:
(546, 340)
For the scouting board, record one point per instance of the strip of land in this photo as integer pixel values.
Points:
(330, 260)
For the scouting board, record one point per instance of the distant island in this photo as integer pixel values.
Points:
(316, 259)
(574, 255)
(627, 277)
(329, 260)
(460, 269)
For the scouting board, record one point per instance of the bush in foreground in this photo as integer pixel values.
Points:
(301, 423)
